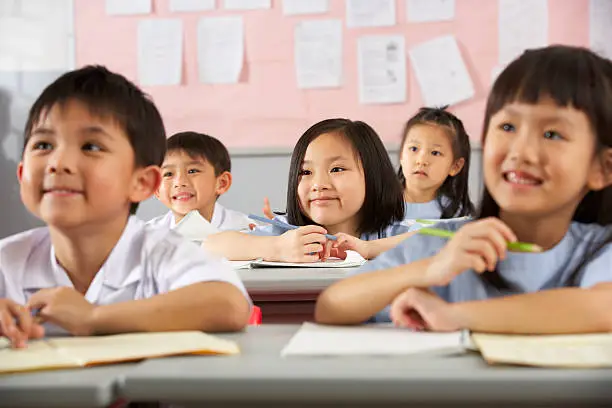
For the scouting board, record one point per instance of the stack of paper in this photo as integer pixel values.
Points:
(582, 350)
(74, 352)
(195, 227)
(353, 260)
(319, 340)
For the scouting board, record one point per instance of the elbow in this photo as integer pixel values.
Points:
(232, 312)
(331, 309)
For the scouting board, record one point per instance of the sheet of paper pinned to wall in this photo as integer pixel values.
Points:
(441, 72)
(160, 52)
(600, 27)
(370, 13)
(522, 25)
(296, 7)
(381, 63)
(422, 11)
(220, 49)
(123, 7)
(247, 4)
(191, 5)
(318, 53)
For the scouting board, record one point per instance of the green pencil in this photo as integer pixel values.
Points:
(512, 246)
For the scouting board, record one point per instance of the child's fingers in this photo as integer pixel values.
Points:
(483, 248)
(9, 329)
(327, 251)
(313, 238)
(312, 229)
(267, 210)
(309, 258)
(313, 248)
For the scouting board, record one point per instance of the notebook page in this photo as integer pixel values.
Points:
(582, 350)
(39, 355)
(195, 227)
(137, 346)
(372, 339)
(353, 260)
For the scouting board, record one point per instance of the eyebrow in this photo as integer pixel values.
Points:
(540, 118)
(191, 163)
(417, 142)
(88, 130)
(330, 159)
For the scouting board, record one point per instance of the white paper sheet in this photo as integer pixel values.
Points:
(195, 227)
(353, 260)
(523, 24)
(247, 4)
(370, 13)
(128, 7)
(373, 339)
(318, 53)
(600, 27)
(441, 72)
(422, 11)
(160, 51)
(191, 5)
(297, 7)
(220, 49)
(381, 63)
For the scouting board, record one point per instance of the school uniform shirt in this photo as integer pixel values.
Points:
(223, 219)
(528, 272)
(430, 210)
(146, 261)
(390, 231)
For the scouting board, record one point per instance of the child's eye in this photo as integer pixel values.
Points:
(436, 153)
(305, 172)
(507, 127)
(42, 146)
(91, 147)
(412, 149)
(552, 135)
(337, 169)
(193, 171)
(167, 174)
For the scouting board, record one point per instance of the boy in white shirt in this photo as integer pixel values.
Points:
(195, 173)
(93, 146)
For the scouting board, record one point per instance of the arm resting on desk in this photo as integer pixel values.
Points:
(555, 311)
(378, 246)
(356, 299)
(238, 246)
(206, 306)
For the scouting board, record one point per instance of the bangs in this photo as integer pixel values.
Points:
(569, 76)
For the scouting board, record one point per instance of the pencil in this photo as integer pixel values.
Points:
(512, 246)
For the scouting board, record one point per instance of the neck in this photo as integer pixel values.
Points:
(419, 196)
(348, 227)
(82, 251)
(545, 232)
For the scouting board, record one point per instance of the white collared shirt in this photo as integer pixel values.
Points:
(223, 219)
(145, 262)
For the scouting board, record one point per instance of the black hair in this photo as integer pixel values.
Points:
(383, 204)
(108, 95)
(199, 145)
(570, 76)
(453, 196)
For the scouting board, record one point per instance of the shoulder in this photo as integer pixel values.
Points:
(20, 246)
(233, 220)
(590, 233)
(162, 220)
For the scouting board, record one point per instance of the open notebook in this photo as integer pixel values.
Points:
(372, 339)
(195, 227)
(353, 260)
(74, 352)
(580, 350)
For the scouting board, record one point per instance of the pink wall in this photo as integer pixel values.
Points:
(266, 109)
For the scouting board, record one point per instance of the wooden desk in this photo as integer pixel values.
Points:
(288, 295)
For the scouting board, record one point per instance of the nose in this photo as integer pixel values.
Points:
(61, 161)
(180, 179)
(422, 158)
(320, 181)
(523, 148)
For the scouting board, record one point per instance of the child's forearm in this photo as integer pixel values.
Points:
(238, 246)
(378, 246)
(356, 299)
(206, 306)
(557, 311)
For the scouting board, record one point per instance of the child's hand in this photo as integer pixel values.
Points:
(478, 245)
(17, 324)
(304, 244)
(348, 242)
(419, 309)
(267, 210)
(66, 308)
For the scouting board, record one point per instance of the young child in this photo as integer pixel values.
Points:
(93, 146)
(195, 173)
(548, 175)
(435, 165)
(341, 182)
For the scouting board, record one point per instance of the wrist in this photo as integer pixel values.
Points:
(92, 323)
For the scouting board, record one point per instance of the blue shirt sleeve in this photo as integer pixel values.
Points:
(269, 230)
(598, 270)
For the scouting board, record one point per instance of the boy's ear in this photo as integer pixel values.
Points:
(457, 167)
(224, 182)
(601, 173)
(20, 171)
(146, 183)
